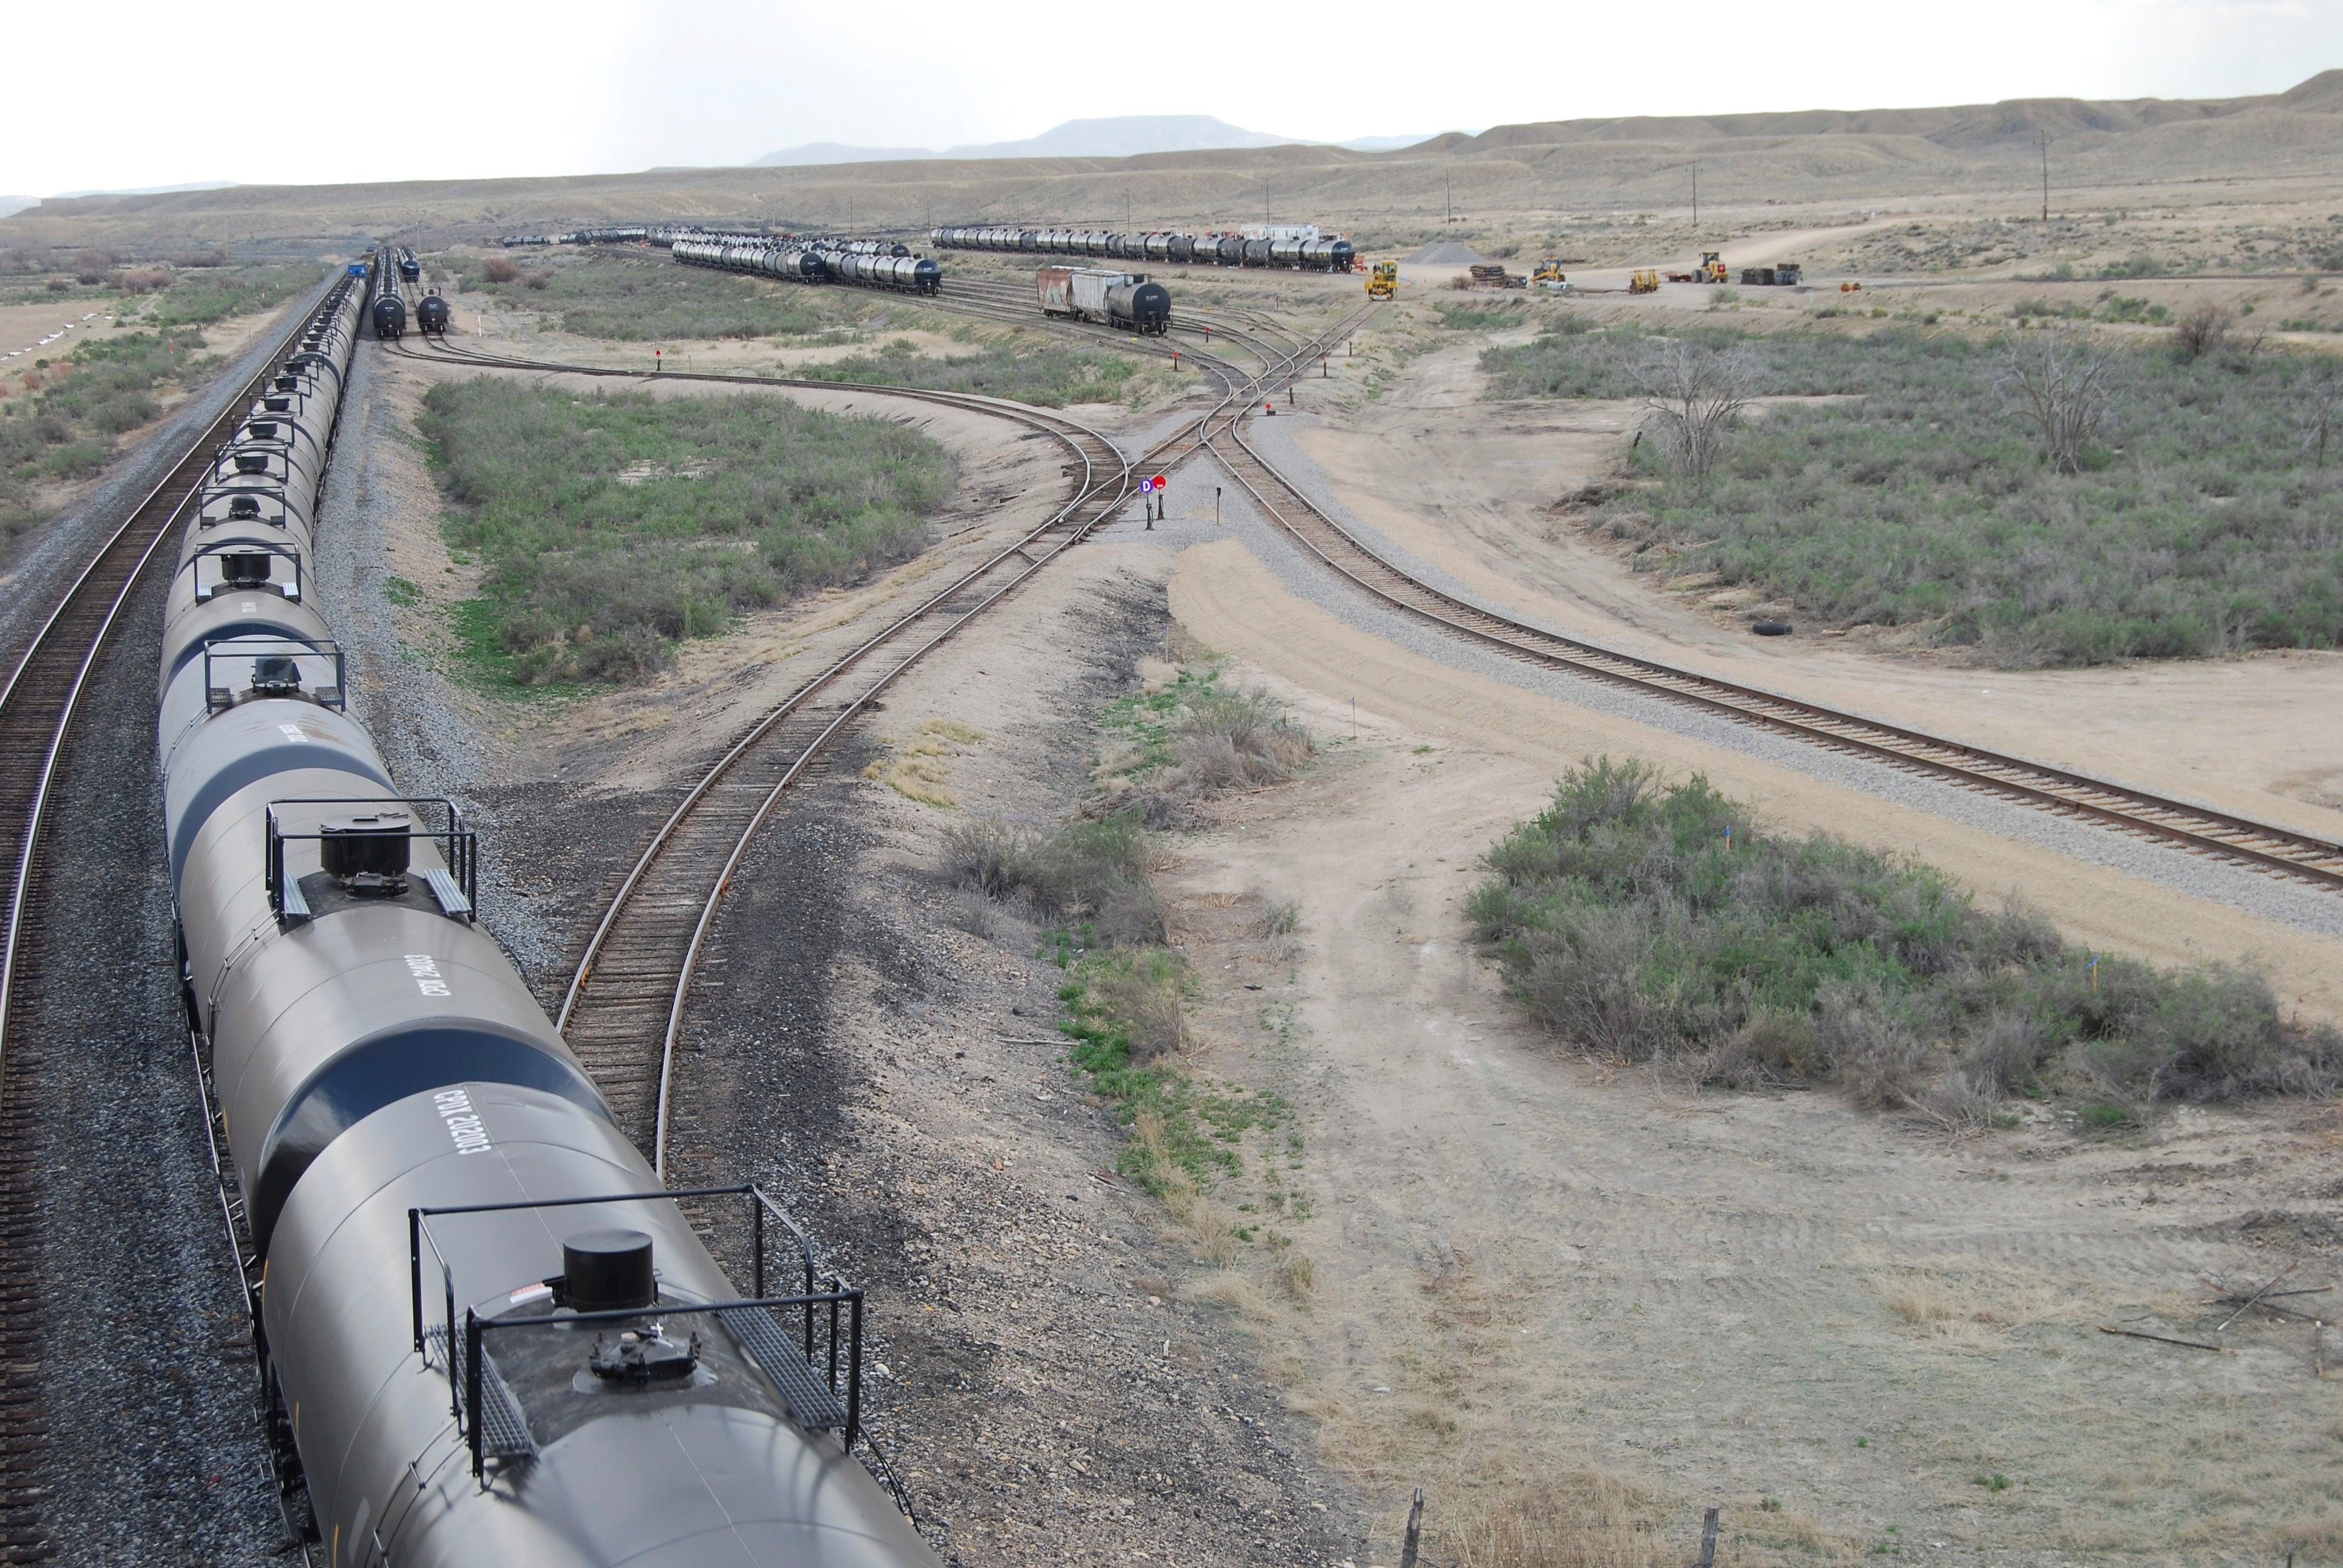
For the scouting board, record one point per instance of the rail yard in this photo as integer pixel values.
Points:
(1004, 923)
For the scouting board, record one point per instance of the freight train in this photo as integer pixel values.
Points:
(1323, 254)
(801, 262)
(487, 1335)
(388, 306)
(1124, 299)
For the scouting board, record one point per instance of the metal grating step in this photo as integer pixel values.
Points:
(504, 1433)
(811, 1403)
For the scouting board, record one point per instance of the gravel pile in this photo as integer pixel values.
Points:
(2297, 904)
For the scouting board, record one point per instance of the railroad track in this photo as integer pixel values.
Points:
(2198, 828)
(37, 708)
(633, 982)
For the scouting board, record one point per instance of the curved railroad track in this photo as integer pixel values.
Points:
(2198, 828)
(633, 982)
(37, 708)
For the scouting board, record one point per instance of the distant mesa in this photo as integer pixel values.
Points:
(1116, 136)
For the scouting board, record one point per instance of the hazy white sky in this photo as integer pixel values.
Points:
(145, 94)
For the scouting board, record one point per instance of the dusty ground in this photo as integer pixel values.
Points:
(1833, 1326)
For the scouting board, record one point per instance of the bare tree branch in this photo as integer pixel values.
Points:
(1696, 395)
(2065, 383)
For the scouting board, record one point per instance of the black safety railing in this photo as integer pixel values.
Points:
(828, 1341)
(209, 569)
(277, 668)
(458, 888)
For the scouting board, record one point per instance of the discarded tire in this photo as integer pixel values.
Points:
(1771, 628)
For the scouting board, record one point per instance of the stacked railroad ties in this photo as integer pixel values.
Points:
(469, 1361)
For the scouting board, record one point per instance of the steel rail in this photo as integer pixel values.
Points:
(2202, 829)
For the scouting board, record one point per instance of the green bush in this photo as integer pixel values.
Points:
(2200, 525)
(616, 525)
(1646, 922)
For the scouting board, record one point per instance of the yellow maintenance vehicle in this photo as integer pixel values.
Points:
(1646, 280)
(1382, 283)
(1711, 267)
(1547, 274)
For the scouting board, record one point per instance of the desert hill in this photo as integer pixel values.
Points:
(1853, 156)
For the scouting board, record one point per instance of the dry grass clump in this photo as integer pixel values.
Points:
(1088, 873)
(1652, 923)
(916, 768)
(1581, 1519)
(1971, 1307)
(500, 269)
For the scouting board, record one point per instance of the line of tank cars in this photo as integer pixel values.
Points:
(388, 311)
(487, 1335)
(1307, 252)
(871, 264)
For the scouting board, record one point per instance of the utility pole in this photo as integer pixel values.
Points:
(1696, 200)
(2046, 177)
(1448, 191)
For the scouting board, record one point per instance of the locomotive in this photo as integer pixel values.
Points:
(409, 269)
(1310, 255)
(804, 263)
(1124, 299)
(487, 1335)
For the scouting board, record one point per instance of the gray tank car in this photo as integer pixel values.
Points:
(490, 1336)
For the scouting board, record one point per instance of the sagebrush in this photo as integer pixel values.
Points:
(614, 525)
(2180, 508)
(1642, 920)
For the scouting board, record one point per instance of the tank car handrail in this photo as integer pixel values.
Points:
(465, 1402)
(476, 1330)
(462, 855)
(214, 549)
(226, 645)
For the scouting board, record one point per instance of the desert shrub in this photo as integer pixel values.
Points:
(143, 280)
(199, 258)
(615, 525)
(1090, 873)
(498, 269)
(69, 429)
(92, 265)
(198, 300)
(2202, 331)
(1649, 922)
(1924, 499)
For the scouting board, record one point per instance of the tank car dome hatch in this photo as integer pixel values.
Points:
(607, 1271)
(244, 510)
(244, 570)
(368, 853)
(275, 675)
